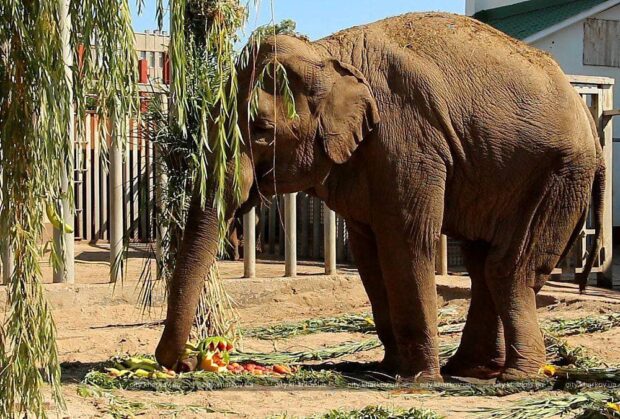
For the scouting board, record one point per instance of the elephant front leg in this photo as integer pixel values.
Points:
(408, 268)
(364, 248)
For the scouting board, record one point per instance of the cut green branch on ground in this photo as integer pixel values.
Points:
(592, 404)
(379, 412)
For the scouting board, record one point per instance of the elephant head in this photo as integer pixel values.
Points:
(335, 109)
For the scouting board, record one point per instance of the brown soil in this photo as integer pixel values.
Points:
(96, 320)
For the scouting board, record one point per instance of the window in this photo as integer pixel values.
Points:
(161, 60)
(151, 59)
(601, 42)
(143, 55)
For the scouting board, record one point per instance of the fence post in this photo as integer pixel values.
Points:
(66, 272)
(441, 256)
(606, 102)
(161, 230)
(290, 230)
(249, 244)
(116, 204)
(329, 225)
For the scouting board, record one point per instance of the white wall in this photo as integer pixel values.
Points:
(566, 46)
(473, 6)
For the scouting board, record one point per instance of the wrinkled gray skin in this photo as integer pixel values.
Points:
(410, 127)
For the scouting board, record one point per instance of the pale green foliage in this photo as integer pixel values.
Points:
(35, 106)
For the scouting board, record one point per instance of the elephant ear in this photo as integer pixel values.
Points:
(347, 113)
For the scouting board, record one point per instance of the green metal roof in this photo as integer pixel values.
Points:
(529, 17)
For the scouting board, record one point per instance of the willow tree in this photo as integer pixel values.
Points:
(35, 113)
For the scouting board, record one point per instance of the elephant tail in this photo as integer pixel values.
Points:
(598, 199)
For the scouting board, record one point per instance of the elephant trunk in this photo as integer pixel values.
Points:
(198, 253)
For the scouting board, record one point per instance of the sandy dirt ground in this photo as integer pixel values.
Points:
(96, 320)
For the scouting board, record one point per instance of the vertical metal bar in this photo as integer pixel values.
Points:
(249, 244)
(303, 203)
(281, 227)
(316, 228)
(290, 229)
(329, 225)
(272, 226)
(64, 239)
(161, 229)
(116, 203)
(340, 239)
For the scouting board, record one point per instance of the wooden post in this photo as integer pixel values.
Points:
(290, 229)
(605, 277)
(116, 204)
(441, 256)
(329, 225)
(63, 240)
(249, 244)
(316, 228)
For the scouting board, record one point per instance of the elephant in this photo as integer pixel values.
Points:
(412, 127)
(235, 246)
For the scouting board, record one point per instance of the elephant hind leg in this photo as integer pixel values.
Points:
(515, 278)
(481, 353)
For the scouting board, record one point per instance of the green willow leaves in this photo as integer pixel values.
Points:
(35, 145)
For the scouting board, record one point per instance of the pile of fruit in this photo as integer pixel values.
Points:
(210, 355)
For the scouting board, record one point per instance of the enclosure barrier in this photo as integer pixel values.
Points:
(317, 234)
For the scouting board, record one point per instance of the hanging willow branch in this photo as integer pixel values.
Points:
(35, 106)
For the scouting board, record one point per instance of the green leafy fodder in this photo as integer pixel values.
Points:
(379, 412)
(200, 380)
(600, 404)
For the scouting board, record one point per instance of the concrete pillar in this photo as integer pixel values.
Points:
(441, 256)
(329, 226)
(249, 244)
(62, 239)
(116, 205)
(290, 229)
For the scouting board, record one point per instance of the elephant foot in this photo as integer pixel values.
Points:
(487, 371)
(515, 374)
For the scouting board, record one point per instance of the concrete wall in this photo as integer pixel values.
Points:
(473, 6)
(566, 46)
